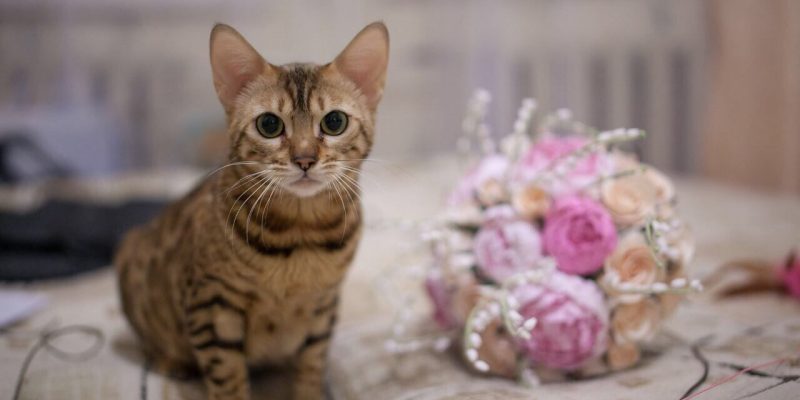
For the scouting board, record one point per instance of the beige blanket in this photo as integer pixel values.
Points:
(705, 339)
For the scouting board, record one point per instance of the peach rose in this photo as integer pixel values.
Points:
(624, 161)
(624, 355)
(665, 212)
(635, 322)
(630, 199)
(531, 202)
(631, 263)
(662, 185)
(492, 192)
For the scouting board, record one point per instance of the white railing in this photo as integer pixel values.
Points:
(143, 66)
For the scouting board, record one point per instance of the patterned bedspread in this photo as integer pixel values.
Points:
(79, 346)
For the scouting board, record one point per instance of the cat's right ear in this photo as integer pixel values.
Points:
(234, 64)
(364, 61)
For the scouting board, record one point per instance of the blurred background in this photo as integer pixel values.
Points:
(108, 86)
(118, 93)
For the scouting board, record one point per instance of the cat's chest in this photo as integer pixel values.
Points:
(304, 272)
(309, 261)
(278, 326)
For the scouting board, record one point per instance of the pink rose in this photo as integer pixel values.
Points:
(790, 275)
(505, 246)
(550, 148)
(452, 298)
(490, 168)
(579, 233)
(572, 321)
(440, 297)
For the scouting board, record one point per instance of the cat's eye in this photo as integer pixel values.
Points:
(269, 125)
(334, 123)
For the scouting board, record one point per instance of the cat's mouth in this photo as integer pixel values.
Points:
(306, 180)
(305, 186)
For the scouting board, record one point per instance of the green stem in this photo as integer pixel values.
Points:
(650, 237)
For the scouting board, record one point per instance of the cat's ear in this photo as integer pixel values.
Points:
(364, 61)
(234, 63)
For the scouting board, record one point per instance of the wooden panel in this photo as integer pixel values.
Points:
(752, 135)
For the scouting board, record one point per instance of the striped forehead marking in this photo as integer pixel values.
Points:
(300, 81)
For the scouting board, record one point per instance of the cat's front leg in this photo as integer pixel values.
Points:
(216, 329)
(313, 355)
(310, 368)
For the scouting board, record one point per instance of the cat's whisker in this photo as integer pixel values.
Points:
(263, 181)
(362, 159)
(351, 184)
(350, 169)
(346, 167)
(372, 181)
(263, 184)
(261, 211)
(236, 201)
(345, 189)
(387, 166)
(253, 180)
(279, 189)
(275, 188)
(250, 214)
(335, 187)
(245, 179)
(330, 196)
(265, 210)
(233, 164)
(355, 171)
(355, 186)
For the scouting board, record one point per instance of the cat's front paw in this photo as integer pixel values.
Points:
(307, 392)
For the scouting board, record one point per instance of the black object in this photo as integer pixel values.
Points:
(63, 238)
(21, 145)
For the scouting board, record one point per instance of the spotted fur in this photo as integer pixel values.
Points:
(245, 270)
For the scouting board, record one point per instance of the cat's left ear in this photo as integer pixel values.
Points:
(364, 61)
(234, 64)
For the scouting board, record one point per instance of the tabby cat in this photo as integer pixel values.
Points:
(245, 270)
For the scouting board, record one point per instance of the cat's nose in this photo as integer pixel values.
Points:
(305, 162)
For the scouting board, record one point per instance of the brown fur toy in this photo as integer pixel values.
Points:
(245, 270)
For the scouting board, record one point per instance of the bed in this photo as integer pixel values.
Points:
(706, 340)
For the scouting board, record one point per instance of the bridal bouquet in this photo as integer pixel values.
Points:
(558, 252)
